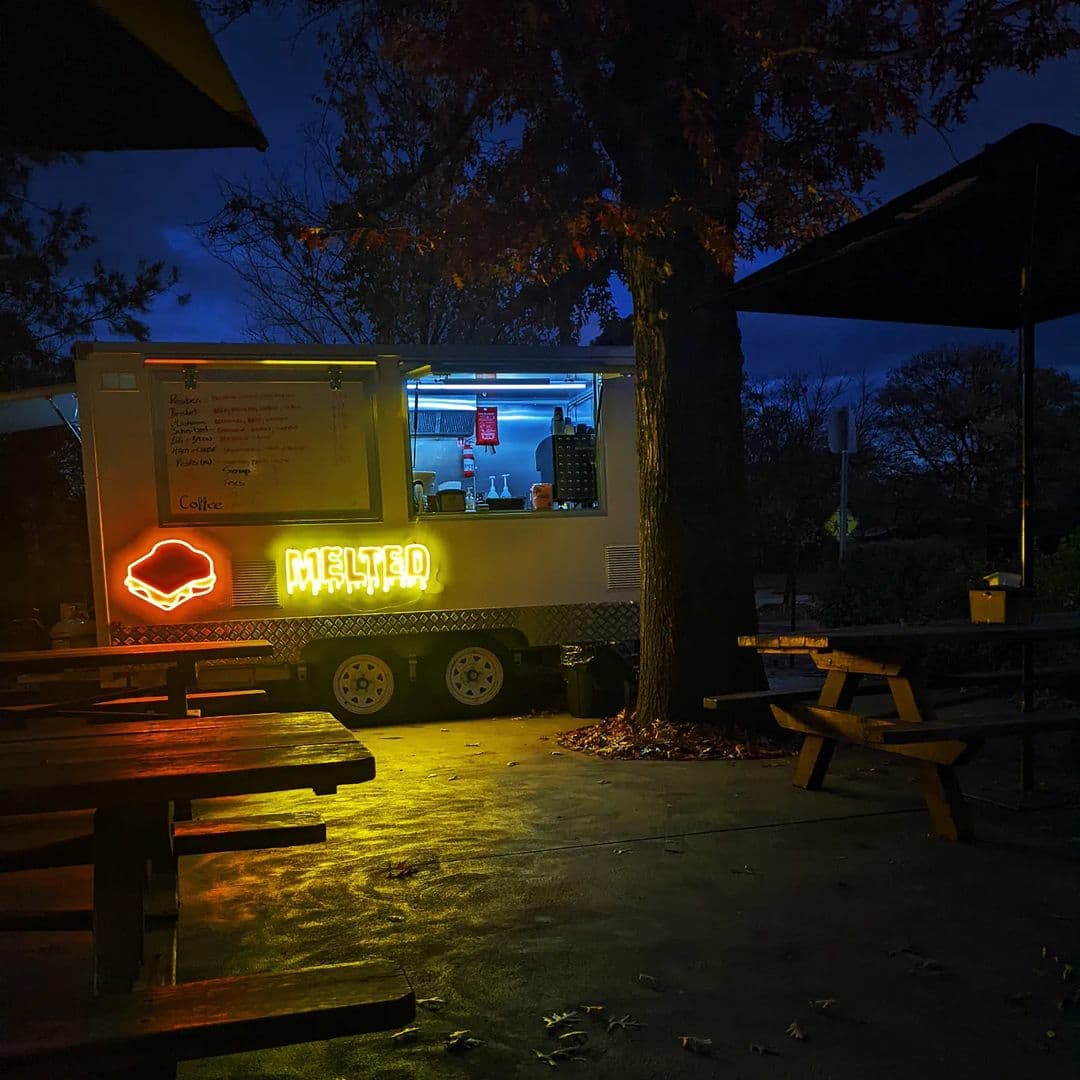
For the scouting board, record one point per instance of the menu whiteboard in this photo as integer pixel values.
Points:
(232, 449)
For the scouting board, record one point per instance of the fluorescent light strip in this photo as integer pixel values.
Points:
(469, 387)
(246, 363)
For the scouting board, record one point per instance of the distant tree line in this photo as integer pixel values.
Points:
(938, 455)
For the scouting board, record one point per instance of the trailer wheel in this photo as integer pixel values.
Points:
(473, 677)
(362, 687)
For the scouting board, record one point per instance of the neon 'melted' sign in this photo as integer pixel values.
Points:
(357, 569)
(171, 573)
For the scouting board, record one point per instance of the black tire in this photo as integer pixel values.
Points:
(470, 677)
(362, 685)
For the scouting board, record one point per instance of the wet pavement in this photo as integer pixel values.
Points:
(707, 899)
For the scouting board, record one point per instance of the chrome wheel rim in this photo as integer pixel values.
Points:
(474, 676)
(363, 684)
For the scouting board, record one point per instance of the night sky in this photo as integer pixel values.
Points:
(145, 204)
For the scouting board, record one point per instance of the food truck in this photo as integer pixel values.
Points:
(397, 521)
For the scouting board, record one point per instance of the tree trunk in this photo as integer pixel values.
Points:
(697, 589)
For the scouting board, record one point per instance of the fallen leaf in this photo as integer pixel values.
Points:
(458, 1042)
(651, 981)
(592, 1010)
(444, 729)
(399, 870)
(627, 1023)
(556, 753)
(405, 1034)
(905, 950)
(569, 1053)
(603, 781)
(574, 1038)
(511, 764)
(761, 1051)
(395, 918)
(472, 744)
(621, 851)
(432, 1004)
(744, 870)
(822, 1005)
(454, 777)
(674, 851)
(795, 1032)
(1066, 972)
(557, 1018)
(1019, 999)
(696, 1044)
(924, 965)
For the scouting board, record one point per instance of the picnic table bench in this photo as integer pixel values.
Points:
(896, 654)
(129, 776)
(180, 659)
(132, 1034)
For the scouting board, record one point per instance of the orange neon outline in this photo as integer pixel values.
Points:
(188, 591)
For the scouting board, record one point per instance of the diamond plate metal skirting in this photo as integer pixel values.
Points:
(558, 624)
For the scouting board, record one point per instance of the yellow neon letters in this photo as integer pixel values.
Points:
(367, 569)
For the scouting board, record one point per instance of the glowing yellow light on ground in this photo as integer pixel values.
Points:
(171, 573)
(357, 569)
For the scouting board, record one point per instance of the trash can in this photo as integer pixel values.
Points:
(1002, 600)
(575, 661)
(597, 679)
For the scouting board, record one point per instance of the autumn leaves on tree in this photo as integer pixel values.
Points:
(661, 141)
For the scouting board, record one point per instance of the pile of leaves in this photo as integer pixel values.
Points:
(621, 736)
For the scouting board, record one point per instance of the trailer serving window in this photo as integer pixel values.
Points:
(255, 443)
(501, 441)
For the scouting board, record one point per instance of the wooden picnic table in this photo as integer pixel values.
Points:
(897, 654)
(131, 774)
(180, 658)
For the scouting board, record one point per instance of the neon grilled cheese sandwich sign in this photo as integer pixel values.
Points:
(370, 570)
(171, 573)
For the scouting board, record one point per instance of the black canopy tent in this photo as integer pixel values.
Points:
(83, 75)
(991, 243)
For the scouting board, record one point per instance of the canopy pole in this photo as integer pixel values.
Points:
(1027, 471)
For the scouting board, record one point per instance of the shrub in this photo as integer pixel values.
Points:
(897, 581)
(1057, 577)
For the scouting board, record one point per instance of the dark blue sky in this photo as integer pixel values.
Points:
(145, 204)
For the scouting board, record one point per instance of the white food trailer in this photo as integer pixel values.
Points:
(395, 520)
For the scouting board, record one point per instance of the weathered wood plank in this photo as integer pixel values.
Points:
(812, 766)
(949, 814)
(37, 844)
(47, 899)
(209, 775)
(119, 656)
(315, 723)
(858, 663)
(815, 720)
(247, 834)
(977, 728)
(855, 639)
(132, 855)
(211, 1017)
(752, 697)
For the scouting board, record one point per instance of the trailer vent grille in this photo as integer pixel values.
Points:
(255, 584)
(460, 424)
(623, 566)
